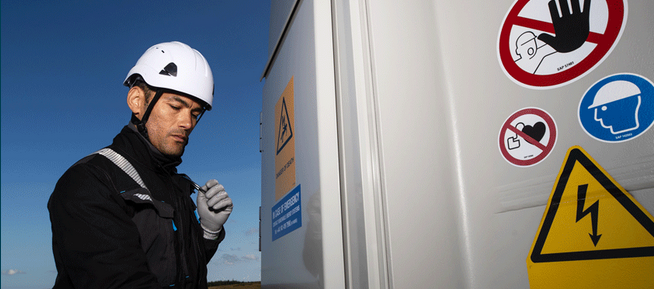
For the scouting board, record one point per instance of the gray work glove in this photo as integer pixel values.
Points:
(214, 207)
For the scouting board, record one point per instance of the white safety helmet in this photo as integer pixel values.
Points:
(175, 66)
(613, 91)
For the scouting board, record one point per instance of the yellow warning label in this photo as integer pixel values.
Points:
(285, 142)
(593, 234)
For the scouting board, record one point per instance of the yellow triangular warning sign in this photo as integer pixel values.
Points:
(590, 225)
(285, 131)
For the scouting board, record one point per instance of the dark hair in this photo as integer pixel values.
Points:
(149, 91)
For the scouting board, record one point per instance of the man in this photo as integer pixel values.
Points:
(123, 217)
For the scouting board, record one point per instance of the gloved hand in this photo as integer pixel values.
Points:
(214, 207)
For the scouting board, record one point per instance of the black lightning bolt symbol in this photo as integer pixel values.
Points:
(592, 210)
(285, 126)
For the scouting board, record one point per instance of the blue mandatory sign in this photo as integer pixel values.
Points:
(287, 214)
(618, 108)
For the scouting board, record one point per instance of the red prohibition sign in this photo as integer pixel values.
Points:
(545, 149)
(604, 43)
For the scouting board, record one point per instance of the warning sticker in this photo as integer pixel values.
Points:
(549, 43)
(287, 214)
(285, 142)
(592, 232)
(618, 108)
(527, 137)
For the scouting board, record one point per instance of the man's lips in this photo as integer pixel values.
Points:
(180, 138)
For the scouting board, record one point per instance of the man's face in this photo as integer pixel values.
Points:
(171, 122)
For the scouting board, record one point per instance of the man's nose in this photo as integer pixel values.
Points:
(186, 120)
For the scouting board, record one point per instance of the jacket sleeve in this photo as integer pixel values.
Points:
(95, 243)
(211, 246)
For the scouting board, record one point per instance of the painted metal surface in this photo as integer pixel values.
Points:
(310, 256)
(398, 111)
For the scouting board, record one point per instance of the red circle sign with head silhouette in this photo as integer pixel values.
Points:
(527, 137)
(549, 43)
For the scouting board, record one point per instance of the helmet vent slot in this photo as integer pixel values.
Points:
(170, 69)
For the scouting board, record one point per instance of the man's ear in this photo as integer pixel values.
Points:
(136, 101)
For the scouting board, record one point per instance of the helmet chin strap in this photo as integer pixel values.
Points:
(140, 124)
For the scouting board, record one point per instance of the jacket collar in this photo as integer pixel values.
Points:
(138, 147)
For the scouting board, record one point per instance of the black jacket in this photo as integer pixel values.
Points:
(108, 232)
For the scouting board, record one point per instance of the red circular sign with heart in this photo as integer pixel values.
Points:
(527, 137)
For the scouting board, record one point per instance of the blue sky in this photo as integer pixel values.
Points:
(63, 63)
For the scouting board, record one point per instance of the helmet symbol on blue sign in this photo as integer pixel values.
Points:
(618, 108)
(614, 105)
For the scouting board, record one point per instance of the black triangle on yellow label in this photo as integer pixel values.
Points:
(285, 131)
(590, 216)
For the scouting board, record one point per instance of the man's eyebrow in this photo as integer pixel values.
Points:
(180, 100)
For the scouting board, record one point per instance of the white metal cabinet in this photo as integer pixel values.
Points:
(402, 105)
